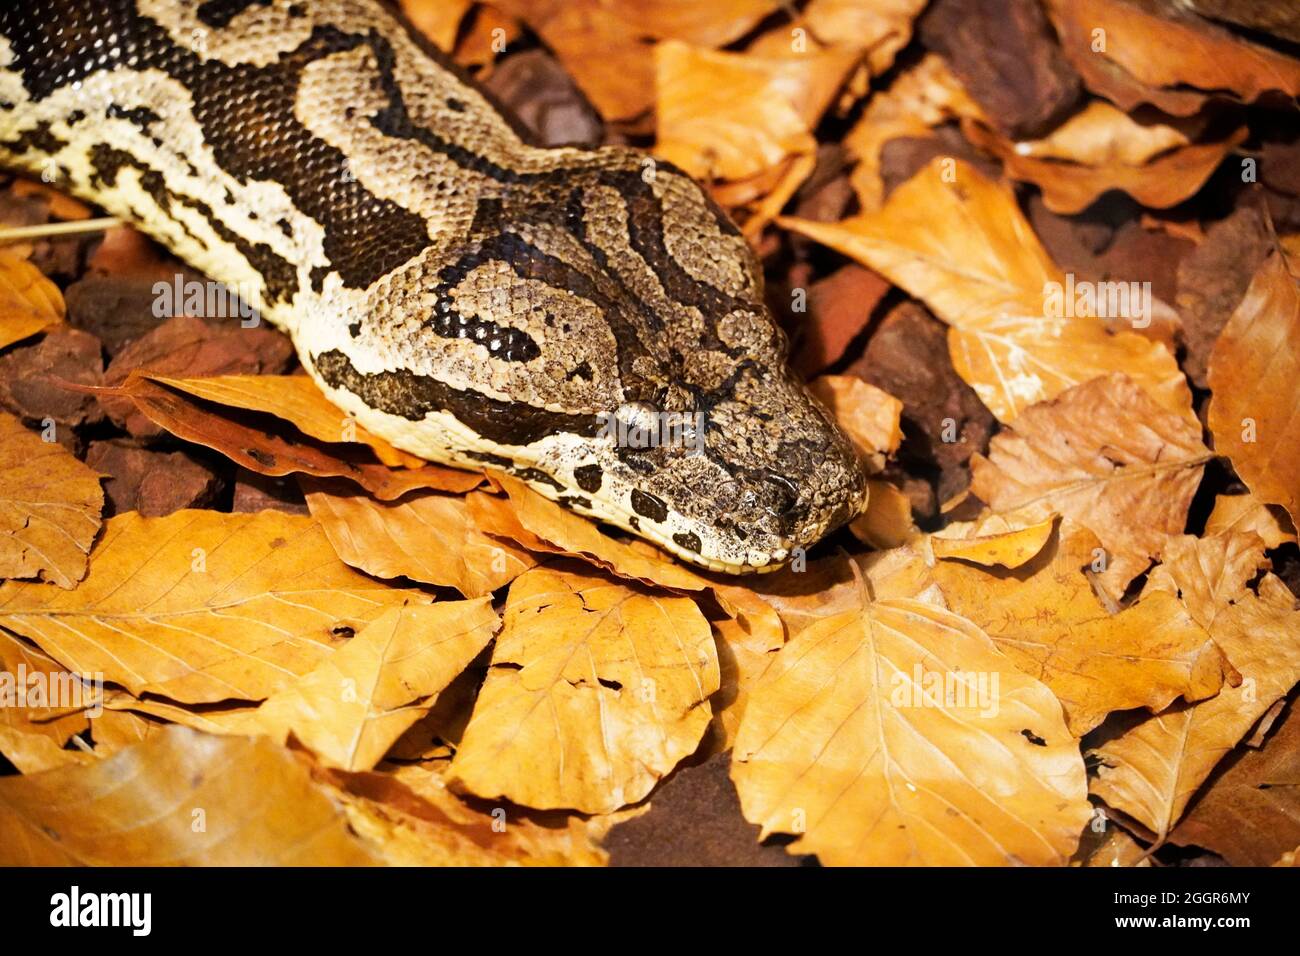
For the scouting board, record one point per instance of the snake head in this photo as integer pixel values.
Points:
(739, 482)
(603, 336)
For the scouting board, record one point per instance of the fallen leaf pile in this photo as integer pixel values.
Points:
(1039, 258)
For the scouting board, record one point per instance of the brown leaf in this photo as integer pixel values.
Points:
(201, 606)
(1248, 513)
(1009, 539)
(1099, 135)
(960, 243)
(297, 400)
(1255, 376)
(620, 82)
(920, 98)
(424, 537)
(1070, 187)
(1006, 57)
(1213, 280)
(186, 347)
(1047, 620)
(850, 742)
(364, 696)
(887, 520)
(723, 115)
(1159, 45)
(412, 819)
(258, 804)
(1150, 771)
(869, 416)
(1250, 813)
(881, 27)
(597, 689)
(259, 448)
(29, 302)
(1108, 458)
(50, 505)
(41, 707)
(747, 644)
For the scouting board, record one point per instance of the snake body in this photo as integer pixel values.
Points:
(469, 297)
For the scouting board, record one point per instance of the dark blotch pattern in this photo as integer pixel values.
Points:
(649, 506)
(589, 478)
(413, 396)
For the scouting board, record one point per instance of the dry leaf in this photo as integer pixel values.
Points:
(1107, 457)
(1070, 187)
(1250, 814)
(1101, 135)
(1047, 620)
(296, 399)
(1009, 539)
(422, 536)
(1255, 378)
(38, 708)
(960, 243)
(883, 27)
(201, 606)
(842, 746)
(1177, 50)
(359, 700)
(747, 644)
(539, 524)
(1151, 771)
(871, 417)
(1248, 513)
(50, 505)
(731, 116)
(414, 820)
(262, 450)
(597, 689)
(1118, 849)
(620, 81)
(258, 804)
(921, 97)
(61, 206)
(887, 520)
(437, 20)
(29, 302)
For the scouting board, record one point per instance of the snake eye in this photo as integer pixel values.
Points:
(785, 496)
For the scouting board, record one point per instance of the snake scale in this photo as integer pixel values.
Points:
(470, 297)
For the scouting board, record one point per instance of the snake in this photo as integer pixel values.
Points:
(587, 320)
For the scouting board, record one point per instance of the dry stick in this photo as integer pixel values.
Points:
(54, 230)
